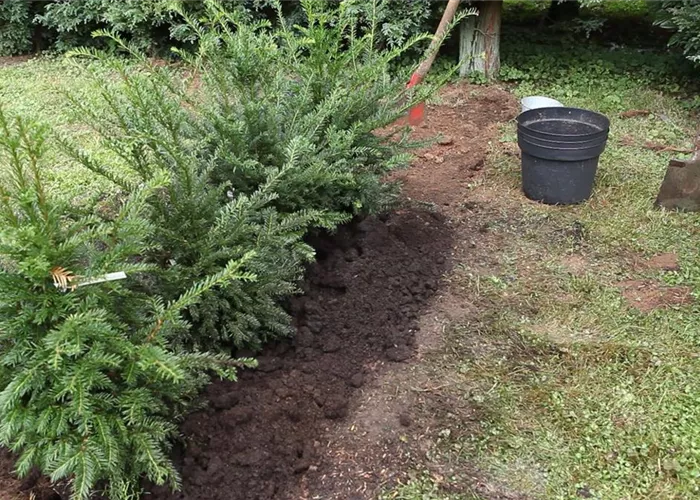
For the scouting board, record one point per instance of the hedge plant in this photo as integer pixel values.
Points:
(270, 134)
(15, 27)
(92, 379)
(683, 17)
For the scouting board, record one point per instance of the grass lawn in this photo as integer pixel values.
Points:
(580, 394)
(39, 89)
(533, 10)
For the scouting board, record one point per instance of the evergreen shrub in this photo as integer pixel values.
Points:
(267, 133)
(92, 379)
(224, 166)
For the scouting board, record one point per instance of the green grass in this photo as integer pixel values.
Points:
(604, 8)
(585, 393)
(579, 395)
(615, 410)
(38, 89)
(619, 8)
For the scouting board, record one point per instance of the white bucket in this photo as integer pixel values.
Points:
(538, 101)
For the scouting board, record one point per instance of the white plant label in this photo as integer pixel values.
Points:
(120, 275)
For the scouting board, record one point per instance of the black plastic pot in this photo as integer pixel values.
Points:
(560, 151)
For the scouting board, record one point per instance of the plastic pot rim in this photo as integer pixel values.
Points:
(522, 122)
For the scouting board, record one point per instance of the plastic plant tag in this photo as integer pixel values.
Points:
(66, 281)
(120, 275)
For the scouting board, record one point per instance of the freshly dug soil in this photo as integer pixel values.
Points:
(260, 436)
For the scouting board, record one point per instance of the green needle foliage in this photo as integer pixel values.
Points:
(266, 134)
(91, 380)
(322, 85)
(149, 124)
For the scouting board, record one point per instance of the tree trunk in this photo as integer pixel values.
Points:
(480, 40)
(563, 10)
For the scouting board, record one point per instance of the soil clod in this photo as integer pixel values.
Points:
(225, 401)
(646, 296)
(398, 354)
(664, 262)
(335, 407)
(357, 380)
(405, 419)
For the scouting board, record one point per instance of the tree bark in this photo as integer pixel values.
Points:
(480, 40)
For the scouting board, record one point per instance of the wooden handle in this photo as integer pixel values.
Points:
(447, 17)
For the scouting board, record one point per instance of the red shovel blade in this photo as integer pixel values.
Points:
(417, 112)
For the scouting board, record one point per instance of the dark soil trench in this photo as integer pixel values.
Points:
(361, 302)
(264, 437)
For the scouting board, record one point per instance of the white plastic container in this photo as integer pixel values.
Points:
(538, 101)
